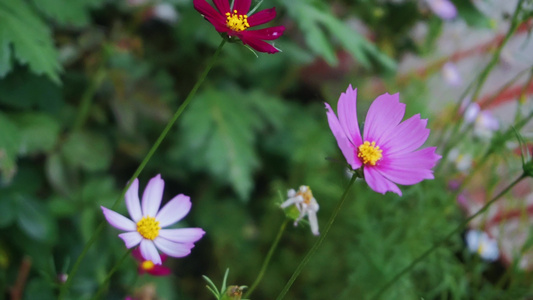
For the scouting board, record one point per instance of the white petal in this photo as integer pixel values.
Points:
(174, 210)
(149, 251)
(131, 239)
(289, 202)
(313, 222)
(153, 193)
(118, 221)
(173, 249)
(132, 201)
(182, 235)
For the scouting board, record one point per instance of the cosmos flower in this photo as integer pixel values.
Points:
(481, 243)
(451, 74)
(306, 204)
(235, 22)
(147, 266)
(443, 8)
(387, 150)
(145, 226)
(485, 124)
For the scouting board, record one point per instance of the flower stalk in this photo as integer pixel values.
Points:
(104, 284)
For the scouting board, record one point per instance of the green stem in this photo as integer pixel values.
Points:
(446, 238)
(317, 244)
(149, 155)
(267, 259)
(104, 284)
(87, 97)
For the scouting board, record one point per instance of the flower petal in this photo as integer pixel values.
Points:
(347, 148)
(378, 183)
(173, 249)
(159, 270)
(270, 33)
(218, 20)
(149, 251)
(347, 111)
(136, 253)
(313, 222)
(153, 193)
(406, 137)
(131, 239)
(425, 158)
(385, 114)
(222, 6)
(174, 210)
(182, 235)
(262, 17)
(118, 221)
(132, 201)
(255, 43)
(242, 6)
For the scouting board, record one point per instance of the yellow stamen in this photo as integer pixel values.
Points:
(147, 265)
(306, 194)
(148, 227)
(369, 153)
(236, 22)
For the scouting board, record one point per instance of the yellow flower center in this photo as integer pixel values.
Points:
(147, 265)
(148, 227)
(236, 22)
(369, 153)
(307, 195)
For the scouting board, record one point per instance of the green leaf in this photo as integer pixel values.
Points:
(30, 38)
(57, 174)
(9, 145)
(33, 218)
(7, 210)
(473, 17)
(38, 132)
(87, 150)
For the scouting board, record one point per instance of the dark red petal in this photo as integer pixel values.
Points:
(214, 17)
(159, 270)
(136, 253)
(242, 6)
(262, 17)
(222, 6)
(257, 44)
(270, 33)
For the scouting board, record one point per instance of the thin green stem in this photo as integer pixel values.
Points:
(147, 158)
(446, 238)
(267, 259)
(104, 284)
(87, 97)
(317, 244)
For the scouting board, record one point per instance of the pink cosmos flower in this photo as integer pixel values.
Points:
(147, 266)
(235, 21)
(145, 226)
(387, 150)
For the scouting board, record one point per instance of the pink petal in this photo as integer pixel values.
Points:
(149, 251)
(242, 6)
(153, 193)
(378, 183)
(218, 20)
(423, 159)
(159, 270)
(182, 235)
(348, 150)
(262, 17)
(118, 221)
(347, 111)
(270, 33)
(173, 249)
(132, 201)
(406, 137)
(256, 44)
(174, 210)
(443, 8)
(131, 239)
(222, 6)
(136, 253)
(384, 114)
(405, 176)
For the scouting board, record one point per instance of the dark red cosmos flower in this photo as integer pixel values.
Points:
(147, 266)
(235, 22)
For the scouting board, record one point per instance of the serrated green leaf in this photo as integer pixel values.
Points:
(87, 150)
(38, 132)
(30, 38)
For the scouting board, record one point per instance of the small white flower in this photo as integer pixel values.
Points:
(166, 13)
(451, 74)
(486, 124)
(463, 162)
(306, 205)
(480, 243)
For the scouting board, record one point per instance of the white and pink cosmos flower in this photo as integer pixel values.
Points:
(387, 150)
(146, 223)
